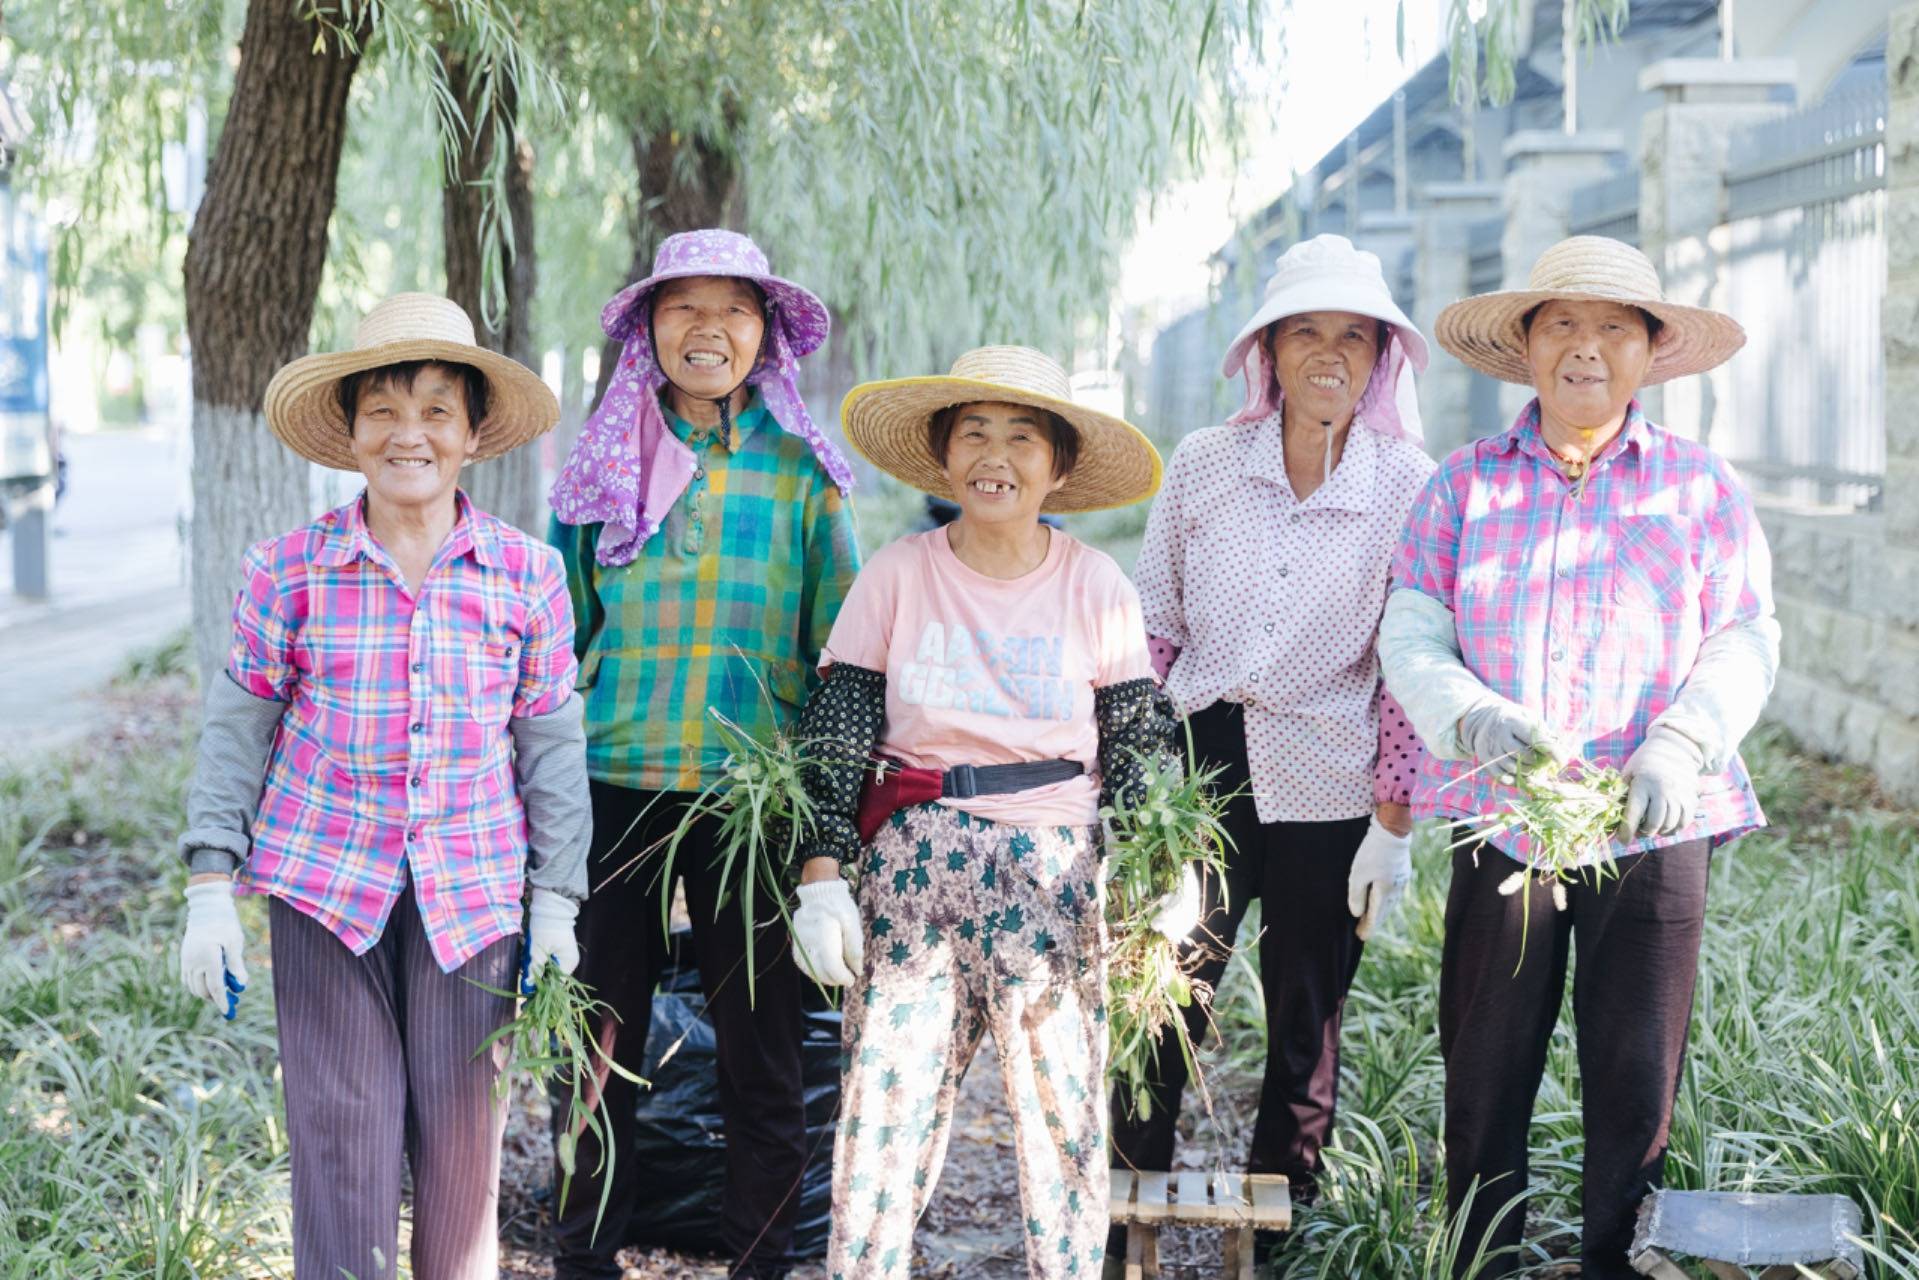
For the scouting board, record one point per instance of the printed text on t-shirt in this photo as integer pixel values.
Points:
(972, 670)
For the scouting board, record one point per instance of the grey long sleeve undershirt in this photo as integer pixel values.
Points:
(549, 761)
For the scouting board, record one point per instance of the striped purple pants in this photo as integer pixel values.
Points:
(376, 1052)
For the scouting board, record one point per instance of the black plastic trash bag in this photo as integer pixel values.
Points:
(679, 1144)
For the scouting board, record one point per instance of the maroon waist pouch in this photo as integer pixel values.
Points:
(889, 789)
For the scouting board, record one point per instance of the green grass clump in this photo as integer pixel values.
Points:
(551, 1038)
(1176, 825)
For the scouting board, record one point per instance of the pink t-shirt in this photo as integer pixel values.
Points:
(982, 670)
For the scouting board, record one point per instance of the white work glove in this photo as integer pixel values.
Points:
(210, 950)
(829, 942)
(1505, 731)
(1664, 791)
(549, 933)
(1381, 868)
(1176, 915)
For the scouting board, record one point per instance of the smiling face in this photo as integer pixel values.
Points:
(1000, 461)
(1323, 360)
(411, 437)
(1588, 359)
(707, 332)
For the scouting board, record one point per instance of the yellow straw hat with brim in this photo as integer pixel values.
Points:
(886, 423)
(1487, 332)
(303, 400)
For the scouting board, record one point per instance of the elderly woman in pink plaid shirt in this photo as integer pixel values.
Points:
(1262, 578)
(394, 758)
(1583, 584)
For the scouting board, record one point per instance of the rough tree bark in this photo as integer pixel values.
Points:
(508, 487)
(253, 267)
(710, 198)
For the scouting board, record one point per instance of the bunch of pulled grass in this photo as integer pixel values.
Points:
(552, 1038)
(1176, 825)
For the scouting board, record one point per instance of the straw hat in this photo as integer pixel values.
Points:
(303, 400)
(886, 423)
(1485, 331)
(1325, 273)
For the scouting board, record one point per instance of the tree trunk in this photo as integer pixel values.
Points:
(711, 198)
(508, 487)
(253, 267)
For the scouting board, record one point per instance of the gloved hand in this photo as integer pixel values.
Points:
(1176, 915)
(1505, 731)
(549, 932)
(1664, 791)
(211, 962)
(1381, 869)
(829, 941)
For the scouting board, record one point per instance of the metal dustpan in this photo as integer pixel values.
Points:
(1748, 1230)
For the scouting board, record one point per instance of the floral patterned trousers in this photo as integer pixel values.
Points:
(974, 926)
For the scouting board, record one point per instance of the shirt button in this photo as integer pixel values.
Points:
(1269, 628)
(1559, 655)
(419, 667)
(416, 726)
(412, 836)
(416, 780)
(1282, 571)
(699, 473)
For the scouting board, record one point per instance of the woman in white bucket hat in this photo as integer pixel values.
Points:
(1262, 576)
(1583, 585)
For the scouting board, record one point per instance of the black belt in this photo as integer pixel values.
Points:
(964, 781)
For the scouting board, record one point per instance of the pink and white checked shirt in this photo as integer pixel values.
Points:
(394, 758)
(1588, 608)
(1275, 603)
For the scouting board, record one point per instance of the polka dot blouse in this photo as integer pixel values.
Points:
(1255, 597)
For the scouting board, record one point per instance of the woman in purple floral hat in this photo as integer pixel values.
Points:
(702, 518)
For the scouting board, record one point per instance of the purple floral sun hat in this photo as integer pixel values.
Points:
(627, 469)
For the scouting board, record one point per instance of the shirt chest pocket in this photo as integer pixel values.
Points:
(491, 669)
(1652, 564)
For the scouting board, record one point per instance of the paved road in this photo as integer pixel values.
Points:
(119, 586)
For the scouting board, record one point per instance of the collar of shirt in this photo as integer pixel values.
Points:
(349, 539)
(748, 419)
(1354, 477)
(1528, 437)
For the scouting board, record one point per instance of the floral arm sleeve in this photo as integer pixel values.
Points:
(836, 732)
(1136, 724)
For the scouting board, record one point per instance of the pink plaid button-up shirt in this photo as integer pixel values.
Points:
(1587, 605)
(393, 759)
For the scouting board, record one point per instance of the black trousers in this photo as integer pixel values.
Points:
(1308, 956)
(1637, 955)
(623, 948)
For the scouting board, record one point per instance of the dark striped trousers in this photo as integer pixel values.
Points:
(376, 1054)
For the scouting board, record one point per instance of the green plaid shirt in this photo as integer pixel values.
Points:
(726, 606)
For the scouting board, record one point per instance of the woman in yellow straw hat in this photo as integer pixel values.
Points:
(393, 756)
(1581, 585)
(998, 668)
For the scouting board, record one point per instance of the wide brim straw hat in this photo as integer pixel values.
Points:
(1325, 273)
(303, 400)
(1487, 331)
(886, 424)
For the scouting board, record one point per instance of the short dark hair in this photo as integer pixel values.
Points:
(1653, 323)
(472, 384)
(1061, 434)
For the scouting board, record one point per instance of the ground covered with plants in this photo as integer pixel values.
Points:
(142, 1134)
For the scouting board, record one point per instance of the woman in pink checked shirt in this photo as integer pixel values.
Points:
(392, 756)
(1262, 577)
(1583, 584)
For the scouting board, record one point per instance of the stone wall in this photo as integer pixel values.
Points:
(1848, 586)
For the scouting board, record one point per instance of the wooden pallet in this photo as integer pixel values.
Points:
(1237, 1203)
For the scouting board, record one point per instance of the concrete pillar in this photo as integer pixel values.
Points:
(1543, 167)
(1900, 316)
(1441, 270)
(1683, 145)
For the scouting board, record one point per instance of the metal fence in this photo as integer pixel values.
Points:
(1607, 208)
(1804, 247)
